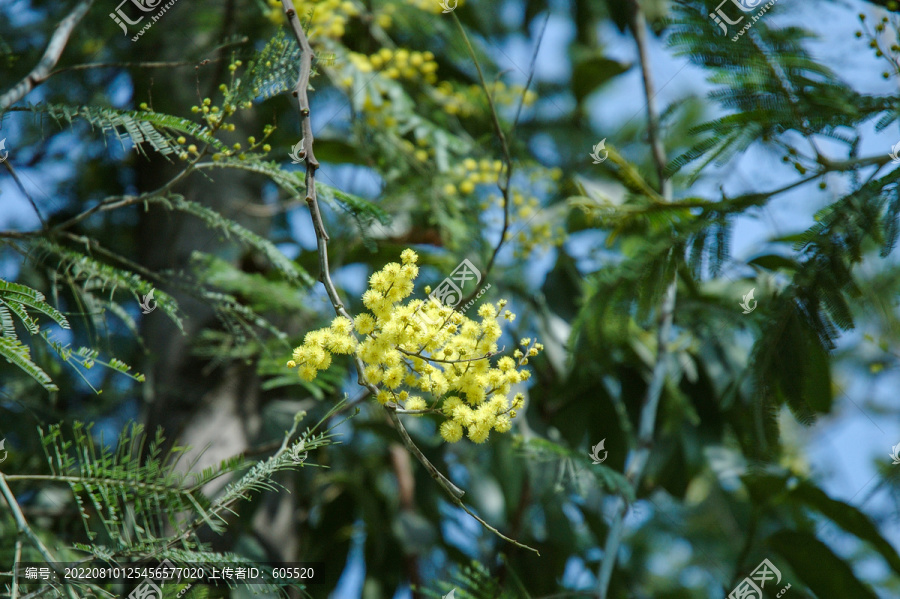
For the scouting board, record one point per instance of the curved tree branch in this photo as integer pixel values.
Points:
(54, 50)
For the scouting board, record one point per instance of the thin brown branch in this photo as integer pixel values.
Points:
(300, 92)
(531, 69)
(25, 192)
(854, 163)
(445, 483)
(25, 529)
(54, 50)
(115, 202)
(455, 492)
(137, 65)
(639, 28)
(638, 457)
(504, 178)
(460, 361)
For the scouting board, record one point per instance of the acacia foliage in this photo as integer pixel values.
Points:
(416, 117)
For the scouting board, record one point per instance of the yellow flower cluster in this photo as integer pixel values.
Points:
(471, 99)
(541, 232)
(318, 346)
(396, 64)
(422, 153)
(329, 17)
(216, 117)
(425, 347)
(544, 229)
(472, 172)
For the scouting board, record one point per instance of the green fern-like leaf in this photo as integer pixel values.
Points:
(214, 220)
(22, 297)
(293, 184)
(98, 275)
(140, 126)
(611, 480)
(271, 72)
(20, 355)
(133, 497)
(16, 300)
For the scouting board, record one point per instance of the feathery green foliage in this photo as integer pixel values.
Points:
(17, 300)
(272, 70)
(140, 126)
(93, 275)
(128, 493)
(216, 221)
(138, 502)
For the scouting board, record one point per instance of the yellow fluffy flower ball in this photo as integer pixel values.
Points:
(410, 346)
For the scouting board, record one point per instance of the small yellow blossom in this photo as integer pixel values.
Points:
(451, 431)
(341, 325)
(416, 403)
(503, 424)
(365, 324)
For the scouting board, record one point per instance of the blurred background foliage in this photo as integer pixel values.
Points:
(136, 183)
